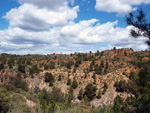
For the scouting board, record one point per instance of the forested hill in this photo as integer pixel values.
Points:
(116, 80)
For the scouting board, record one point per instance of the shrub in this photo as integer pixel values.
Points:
(80, 97)
(21, 68)
(124, 73)
(90, 91)
(4, 100)
(117, 104)
(1, 66)
(34, 69)
(69, 81)
(105, 85)
(133, 75)
(121, 86)
(99, 94)
(74, 84)
(59, 78)
(52, 65)
(57, 95)
(49, 77)
(18, 83)
(70, 94)
(51, 83)
(36, 89)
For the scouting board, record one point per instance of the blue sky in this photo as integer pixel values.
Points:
(67, 26)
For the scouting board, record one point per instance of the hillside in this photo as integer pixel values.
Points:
(31, 79)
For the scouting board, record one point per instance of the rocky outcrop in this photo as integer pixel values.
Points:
(106, 99)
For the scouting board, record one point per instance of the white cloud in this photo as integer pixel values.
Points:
(47, 26)
(68, 38)
(119, 6)
(30, 17)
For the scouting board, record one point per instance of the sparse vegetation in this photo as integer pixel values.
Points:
(56, 83)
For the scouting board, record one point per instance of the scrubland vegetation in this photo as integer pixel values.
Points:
(86, 77)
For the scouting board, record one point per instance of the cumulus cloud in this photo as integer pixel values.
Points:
(68, 38)
(119, 6)
(30, 17)
(47, 26)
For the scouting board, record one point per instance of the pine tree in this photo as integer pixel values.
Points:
(125, 53)
(102, 64)
(80, 97)
(74, 84)
(70, 94)
(141, 25)
(90, 91)
(107, 65)
(99, 94)
(50, 83)
(59, 77)
(69, 81)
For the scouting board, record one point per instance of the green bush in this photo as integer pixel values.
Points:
(133, 75)
(57, 95)
(21, 68)
(1, 66)
(74, 84)
(80, 96)
(90, 91)
(51, 83)
(59, 77)
(4, 100)
(18, 83)
(69, 81)
(34, 69)
(121, 86)
(99, 94)
(49, 77)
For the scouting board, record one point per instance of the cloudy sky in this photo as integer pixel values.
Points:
(67, 26)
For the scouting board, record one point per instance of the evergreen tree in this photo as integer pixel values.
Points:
(90, 91)
(102, 64)
(69, 81)
(99, 94)
(107, 65)
(140, 23)
(125, 53)
(105, 85)
(117, 104)
(49, 77)
(105, 71)
(51, 83)
(74, 84)
(5, 100)
(21, 68)
(59, 78)
(80, 97)
(70, 94)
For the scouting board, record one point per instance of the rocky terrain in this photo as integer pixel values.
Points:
(100, 68)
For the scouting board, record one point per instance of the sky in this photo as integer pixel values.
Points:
(67, 26)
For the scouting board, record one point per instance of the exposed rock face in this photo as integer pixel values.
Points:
(106, 99)
(146, 58)
(121, 52)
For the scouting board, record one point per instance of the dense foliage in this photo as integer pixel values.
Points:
(90, 91)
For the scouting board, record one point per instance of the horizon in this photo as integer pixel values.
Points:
(72, 53)
(67, 26)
